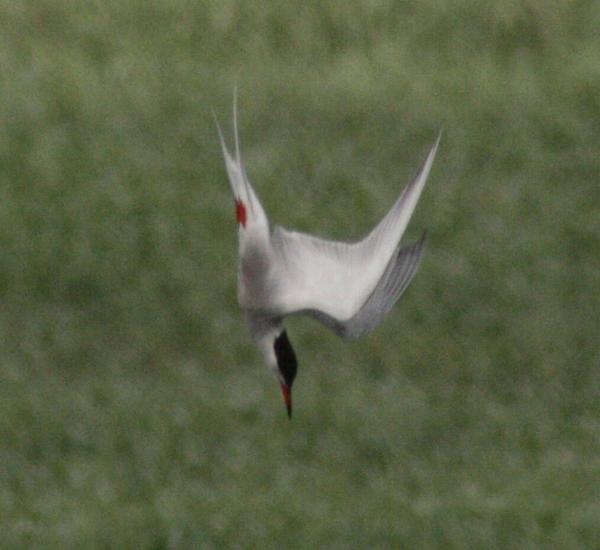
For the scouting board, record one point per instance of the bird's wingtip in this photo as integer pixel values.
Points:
(438, 139)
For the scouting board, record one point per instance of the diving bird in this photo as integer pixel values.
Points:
(349, 287)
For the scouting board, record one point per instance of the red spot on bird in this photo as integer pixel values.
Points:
(240, 212)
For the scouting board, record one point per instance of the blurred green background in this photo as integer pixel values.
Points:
(135, 411)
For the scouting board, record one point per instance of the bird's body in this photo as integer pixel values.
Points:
(349, 287)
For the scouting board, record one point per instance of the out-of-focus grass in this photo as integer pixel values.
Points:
(134, 410)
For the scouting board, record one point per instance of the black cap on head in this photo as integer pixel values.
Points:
(286, 358)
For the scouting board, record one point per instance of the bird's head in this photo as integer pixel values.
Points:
(286, 367)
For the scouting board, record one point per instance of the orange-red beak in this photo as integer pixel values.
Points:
(287, 398)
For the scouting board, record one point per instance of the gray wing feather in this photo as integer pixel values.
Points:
(395, 280)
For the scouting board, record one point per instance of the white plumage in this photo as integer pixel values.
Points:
(350, 287)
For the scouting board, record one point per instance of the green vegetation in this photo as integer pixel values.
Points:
(135, 411)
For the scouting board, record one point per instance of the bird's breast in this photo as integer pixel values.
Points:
(257, 282)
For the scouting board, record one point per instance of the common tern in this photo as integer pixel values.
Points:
(349, 287)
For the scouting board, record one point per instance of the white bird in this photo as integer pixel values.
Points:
(349, 287)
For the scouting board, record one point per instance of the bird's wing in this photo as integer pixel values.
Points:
(398, 274)
(338, 282)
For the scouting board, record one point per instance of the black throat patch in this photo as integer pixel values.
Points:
(286, 358)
